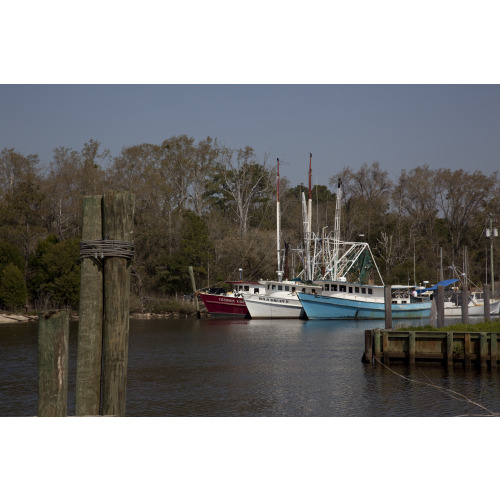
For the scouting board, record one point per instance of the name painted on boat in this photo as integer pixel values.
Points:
(267, 299)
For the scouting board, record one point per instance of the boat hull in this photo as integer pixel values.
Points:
(222, 305)
(326, 307)
(474, 310)
(264, 307)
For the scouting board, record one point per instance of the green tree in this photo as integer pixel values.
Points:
(13, 293)
(55, 273)
(9, 254)
(196, 250)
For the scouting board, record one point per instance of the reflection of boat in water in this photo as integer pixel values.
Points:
(453, 300)
(231, 303)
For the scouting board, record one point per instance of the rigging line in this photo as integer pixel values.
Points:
(449, 392)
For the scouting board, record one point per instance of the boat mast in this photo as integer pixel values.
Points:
(280, 271)
(336, 231)
(309, 223)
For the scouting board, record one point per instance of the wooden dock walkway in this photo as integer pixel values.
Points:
(453, 349)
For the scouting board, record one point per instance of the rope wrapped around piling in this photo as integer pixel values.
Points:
(100, 249)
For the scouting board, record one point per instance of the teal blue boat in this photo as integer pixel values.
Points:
(354, 301)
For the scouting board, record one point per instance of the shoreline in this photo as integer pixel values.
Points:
(6, 318)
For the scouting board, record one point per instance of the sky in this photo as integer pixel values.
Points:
(399, 126)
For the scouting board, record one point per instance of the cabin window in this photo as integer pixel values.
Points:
(327, 287)
(303, 290)
(334, 288)
(287, 288)
(342, 288)
(293, 289)
(280, 287)
(356, 289)
(370, 291)
(313, 290)
(273, 287)
(256, 290)
(247, 288)
(350, 289)
(363, 290)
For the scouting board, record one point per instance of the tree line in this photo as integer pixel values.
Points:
(205, 205)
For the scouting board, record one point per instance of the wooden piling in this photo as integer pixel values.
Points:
(465, 304)
(486, 297)
(493, 352)
(467, 353)
(411, 348)
(118, 222)
(449, 350)
(385, 346)
(377, 345)
(88, 369)
(388, 307)
(53, 342)
(440, 306)
(368, 354)
(193, 284)
(483, 352)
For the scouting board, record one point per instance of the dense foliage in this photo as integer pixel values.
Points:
(207, 206)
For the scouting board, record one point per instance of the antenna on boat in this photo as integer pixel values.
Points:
(280, 271)
(309, 223)
(336, 231)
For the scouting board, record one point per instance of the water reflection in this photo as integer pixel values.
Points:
(221, 367)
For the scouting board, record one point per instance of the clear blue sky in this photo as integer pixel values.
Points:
(400, 126)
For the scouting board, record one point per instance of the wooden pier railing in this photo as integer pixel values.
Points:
(453, 349)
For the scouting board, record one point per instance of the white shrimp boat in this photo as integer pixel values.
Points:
(279, 299)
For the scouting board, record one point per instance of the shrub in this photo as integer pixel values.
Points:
(13, 293)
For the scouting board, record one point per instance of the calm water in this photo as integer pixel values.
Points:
(221, 367)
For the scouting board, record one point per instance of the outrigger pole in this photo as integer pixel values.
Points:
(280, 271)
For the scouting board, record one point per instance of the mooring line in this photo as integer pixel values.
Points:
(443, 389)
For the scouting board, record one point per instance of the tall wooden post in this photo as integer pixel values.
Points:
(88, 368)
(118, 223)
(486, 297)
(465, 304)
(53, 341)
(193, 284)
(388, 307)
(440, 306)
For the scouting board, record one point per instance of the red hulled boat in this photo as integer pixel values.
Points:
(231, 303)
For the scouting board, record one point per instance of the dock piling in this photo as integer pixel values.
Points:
(368, 354)
(449, 350)
(388, 306)
(118, 223)
(53, 347)
(89, 350)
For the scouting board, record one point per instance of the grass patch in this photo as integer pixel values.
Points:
(485, 326)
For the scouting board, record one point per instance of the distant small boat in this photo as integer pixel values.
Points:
(231, 303)
(453, 300)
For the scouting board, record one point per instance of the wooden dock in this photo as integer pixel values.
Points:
(464, 350)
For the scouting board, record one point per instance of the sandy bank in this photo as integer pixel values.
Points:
(16, 318)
